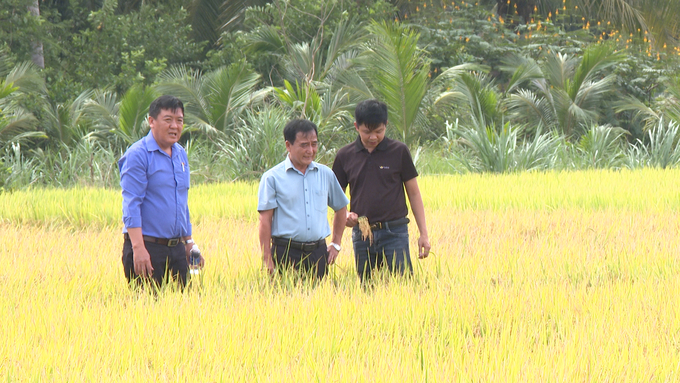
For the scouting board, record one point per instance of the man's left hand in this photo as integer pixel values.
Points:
(423, 247)
(187, 249)
(332, 255)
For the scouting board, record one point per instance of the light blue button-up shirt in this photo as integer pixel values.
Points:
(300, 201)
(155, 189)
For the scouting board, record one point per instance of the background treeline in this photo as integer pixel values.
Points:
(490, 85)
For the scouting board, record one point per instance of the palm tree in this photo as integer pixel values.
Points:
(213, 100)
(666, 107)
(15, 122)
(395, 70)
(122, 122)
(565, 93)
(67, 123)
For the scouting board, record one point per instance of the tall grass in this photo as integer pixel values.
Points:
(256, 144)
(533, 277)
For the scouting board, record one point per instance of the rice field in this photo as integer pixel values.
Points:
(533, 277)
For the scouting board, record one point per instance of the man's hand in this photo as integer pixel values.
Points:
(142, 262)
(423, 247)
(332, 254)
(187, 249)
(352, 219)
(268, 264)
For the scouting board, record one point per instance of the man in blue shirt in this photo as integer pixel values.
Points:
(293, 201)
(154, 176)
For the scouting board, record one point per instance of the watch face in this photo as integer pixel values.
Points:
(337, 247)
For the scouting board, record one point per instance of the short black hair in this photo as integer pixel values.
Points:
(296, 126)
(165, 102)
(370, 113)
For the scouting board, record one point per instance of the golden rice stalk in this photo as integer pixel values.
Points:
(365, 228)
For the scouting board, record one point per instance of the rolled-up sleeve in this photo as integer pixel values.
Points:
(133, 181)
(266, 195)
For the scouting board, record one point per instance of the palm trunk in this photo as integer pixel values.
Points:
(37, 56)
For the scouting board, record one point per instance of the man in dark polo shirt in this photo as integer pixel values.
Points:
(377, 170)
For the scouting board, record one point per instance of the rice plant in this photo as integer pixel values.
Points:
(540, 276)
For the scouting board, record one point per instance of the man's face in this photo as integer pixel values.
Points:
(371, 138)
(303, 151)
(167, 127)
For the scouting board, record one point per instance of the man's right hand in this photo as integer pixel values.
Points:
(352, 219)
(268, 264)
(142, 262)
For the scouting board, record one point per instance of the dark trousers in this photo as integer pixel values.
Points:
(389, 249)
(169, 263)
(314, 263)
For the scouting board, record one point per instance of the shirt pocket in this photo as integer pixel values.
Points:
(320, 200)
(181, 175)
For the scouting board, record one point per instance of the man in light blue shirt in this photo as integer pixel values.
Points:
(154, 176)
(293, 201)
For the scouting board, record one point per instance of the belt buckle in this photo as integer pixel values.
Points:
(173, 242)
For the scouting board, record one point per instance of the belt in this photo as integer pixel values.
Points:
(388, 224)
(304, 246)
(169, 242)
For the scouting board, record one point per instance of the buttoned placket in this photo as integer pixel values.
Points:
(175, 167)
(308, 207)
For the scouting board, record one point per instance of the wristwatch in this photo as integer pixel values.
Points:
(337, 247)
(189, 241)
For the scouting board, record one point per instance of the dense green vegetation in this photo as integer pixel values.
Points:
(472, 87)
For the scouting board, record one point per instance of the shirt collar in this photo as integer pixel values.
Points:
(289, 164)
(382, 146)
(152, 145)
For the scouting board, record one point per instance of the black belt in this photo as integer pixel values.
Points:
(385, 225)
(303, 246)
(169, 242)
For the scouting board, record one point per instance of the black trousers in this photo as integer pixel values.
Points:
(314, 263)
(169, 263)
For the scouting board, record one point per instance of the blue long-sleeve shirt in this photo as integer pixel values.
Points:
(155, 189)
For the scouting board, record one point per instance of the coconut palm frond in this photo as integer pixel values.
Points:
(523, 70)
(558, 69)
(16, 122)
(132, 112)
(25, 77)
(189, 86)
(346, 36)
(399, 73)
(527, 107)
(266, 38)
(622, 12)
(595, 59)
(102, 110)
